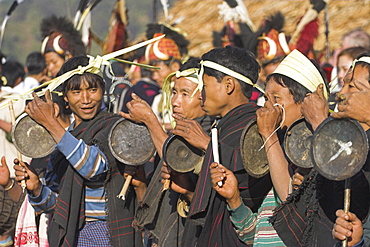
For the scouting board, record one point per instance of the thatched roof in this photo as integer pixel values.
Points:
(201, 18)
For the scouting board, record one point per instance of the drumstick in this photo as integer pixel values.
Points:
(216, 157)
(19, 155)
(166, 184)
(123, 192)
(347, 202)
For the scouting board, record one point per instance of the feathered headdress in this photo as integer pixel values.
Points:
(61, 37)
(272, 44)
(173, 45)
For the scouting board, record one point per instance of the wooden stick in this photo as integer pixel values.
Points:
(347, 202)
(19, 155)
(123, 192)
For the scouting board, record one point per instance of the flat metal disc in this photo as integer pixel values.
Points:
(297, 143)
(30, 138)
(130, 143)
(339, 148)
(180, 155)
(255, 161)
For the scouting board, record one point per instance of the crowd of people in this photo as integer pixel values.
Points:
(69, 196)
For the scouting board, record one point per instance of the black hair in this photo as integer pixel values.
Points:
(35, 63)
(74, 82)
(193, 62)
(59, 100)
(13, 70)
(236, 59)
(295, 89)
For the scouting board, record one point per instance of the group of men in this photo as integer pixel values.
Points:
(216, 203)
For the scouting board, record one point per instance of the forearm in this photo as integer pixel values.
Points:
(87, 160)
(45, 201)
(14, 190)
(7, 127)
(278, 166)
(140, 191)
(55, 129)
(244, 222)
(157, 134)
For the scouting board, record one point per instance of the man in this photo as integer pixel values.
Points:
(157, 212)
(313, 205)
(166, 54)
(355, 105)
(61, 41)
(285, 93)
(35, 73)
(227, 82)
(87, 211)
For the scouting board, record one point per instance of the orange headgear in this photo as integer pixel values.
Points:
(162, 49)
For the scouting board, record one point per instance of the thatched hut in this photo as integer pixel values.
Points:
(201, 18)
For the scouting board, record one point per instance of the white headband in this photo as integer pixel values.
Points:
(224, 70)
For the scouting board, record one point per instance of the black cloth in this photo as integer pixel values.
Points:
(157, 212)
(146, 89)
(69, 216)
(208, 222)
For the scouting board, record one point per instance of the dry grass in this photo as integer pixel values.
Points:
(201, 18)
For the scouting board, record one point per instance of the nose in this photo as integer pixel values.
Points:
(175, 101)
(85, 97)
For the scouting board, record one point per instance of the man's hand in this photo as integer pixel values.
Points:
(138, 179)
(139, 110)
(5, 180)
(229, 188)
(40, 111)
(315, 107)
(268, 118)
(192, 132)
(180, 182)
(23, 172)
(355, 105)
(347, 225)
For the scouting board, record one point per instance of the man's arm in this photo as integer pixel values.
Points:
(141, 112)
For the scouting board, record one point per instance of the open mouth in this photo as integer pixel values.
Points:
(87, 110)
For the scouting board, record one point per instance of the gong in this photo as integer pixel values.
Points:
(298, 142)
(339, 148)
(180, 155)
(130, 143)
(254, 160)
(30, 138)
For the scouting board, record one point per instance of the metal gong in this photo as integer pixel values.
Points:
(180, 155)
(130, 143)
(297, 143)
(339, 148)
(254, 160)
(30, 138)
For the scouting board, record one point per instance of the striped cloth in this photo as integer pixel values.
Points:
(254, 228)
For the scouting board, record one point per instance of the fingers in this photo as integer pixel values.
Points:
(125, 115)
(320, 91)
(3, 162)
(136, 98)
(48, 97)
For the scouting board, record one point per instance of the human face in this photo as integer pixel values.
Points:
(85, 102)
(344, 62)
(159, 75)
(360, 75)
(53, 63)
(213, 95)
(276, 93)
(182, 102)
